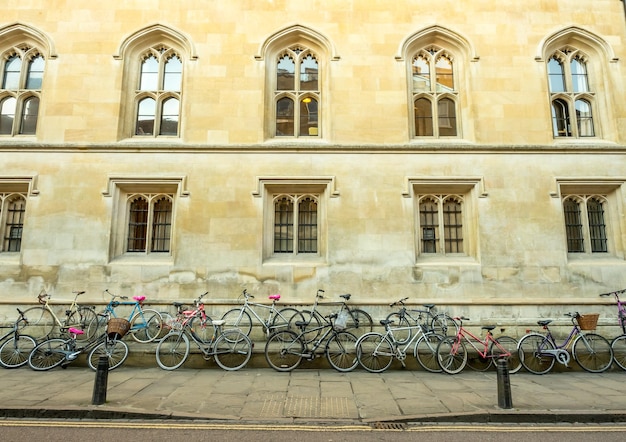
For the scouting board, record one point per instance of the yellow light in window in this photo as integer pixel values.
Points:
(306, 100)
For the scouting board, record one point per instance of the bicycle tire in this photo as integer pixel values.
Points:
(592, 352)
(359, 322)
(282, 319)
(341, 351)
(14, 352)
(146, 325)
(172, 351)
(115, 350)
(203, 328)
(167, 323)
(425, 352)
(85, 319)
(530, 350)
(618, 345)
(374, 352)
(40, 323)
(283, 350)
(239, 319)
(509, 345)
(310, 321)
(442, 324)
(232, 352)
(451, 355)
(48, 354)
(401, 333)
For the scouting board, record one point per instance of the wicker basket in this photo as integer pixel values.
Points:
(588, 321)
(117, 328)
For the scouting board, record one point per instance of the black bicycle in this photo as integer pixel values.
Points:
(14, 351)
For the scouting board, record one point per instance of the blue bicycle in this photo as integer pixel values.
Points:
(145, 324)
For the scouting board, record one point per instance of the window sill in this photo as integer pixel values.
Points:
(10, 258)
(305, 261)
(449, 260)
(593, 259)
(142, 259)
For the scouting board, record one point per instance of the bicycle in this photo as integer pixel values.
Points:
(376, 351)
(63, 351)
(618, 344)
(231, 349)
(453, 356)
(359, 321)
(145, 323)
(538, 352)
(439, 323)
(240, 318)
(41, 320)
(14, 351)
(199, 321)
(285, 349)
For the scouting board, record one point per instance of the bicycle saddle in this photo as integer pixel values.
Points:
(544, 322)
(177, 304)
(75, 331)
(218, 322)
(346, 296)
(488, 327)
(275, 297)
(386, 321)
(139, 298)
(428, 306)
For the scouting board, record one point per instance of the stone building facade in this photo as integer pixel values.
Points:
(467, 154)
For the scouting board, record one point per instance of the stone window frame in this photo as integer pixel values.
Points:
(23, 187)
(268, 188)
(466, 189)
(120, 189)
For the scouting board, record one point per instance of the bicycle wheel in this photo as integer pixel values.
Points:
(146, 325)
(374, 352)
(401, 333)
(619, 351)
(172, 350)
(283, 350)
(507, 345)
(359, 322)
(84, 319)
(39, 323)
(282, 319)
(341, 351)
(451, 355)
(304, 323)
(239, 319)
(232, 350)
(48, 354)
(444, 325)
(425, 352)
(531, 353)
(115, 350)
(592, 352)
(203, 328)
(14, 352)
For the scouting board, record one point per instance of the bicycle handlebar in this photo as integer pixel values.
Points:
(615, 293)
(115, 296)
(399, 302)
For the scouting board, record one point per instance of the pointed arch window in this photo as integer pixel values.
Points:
(20, 91)
(149, 223)
(572, 100)
(12, 211)
(158, 93)
(296, 224)
(434, 94)
(585, 224)
(297, 93)
(441, 224)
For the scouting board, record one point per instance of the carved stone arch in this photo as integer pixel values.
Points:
(19, 33)
(154, 34)
(577, 38)
(438, 36)
(295, 34)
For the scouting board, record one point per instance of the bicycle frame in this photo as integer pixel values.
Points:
(560, 352)
(44, 299)
(621, 309)
(273, 311)
(328, 326)
(475, 342)
(137, 309)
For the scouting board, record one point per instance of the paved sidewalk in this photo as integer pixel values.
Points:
(313, 395)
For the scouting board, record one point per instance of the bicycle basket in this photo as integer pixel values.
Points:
(588, 321)
(117, 328)
(341, 322)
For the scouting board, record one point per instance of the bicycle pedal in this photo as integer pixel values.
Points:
(73, 356)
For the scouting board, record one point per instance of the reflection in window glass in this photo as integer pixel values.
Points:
(423, 118)
(285, 74)
(556, 76)
(308, 117)
(169, 117)
(173, 74)
(145, 117)
(29, 116)
(308, 74)
(35, 73)
(12, 68)
(149, 74)
(584, 118)
(7, 116)
(579, 76)
(560, 119)
(421, 74)
(443, 70)
(446, 113)
(284, 117)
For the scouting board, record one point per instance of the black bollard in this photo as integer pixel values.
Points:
(100, 386)
(504, 384)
